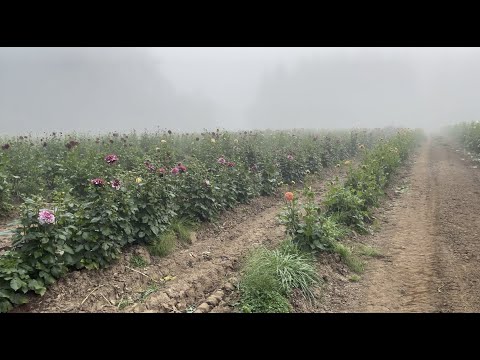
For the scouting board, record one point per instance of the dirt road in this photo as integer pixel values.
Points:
(430, 241)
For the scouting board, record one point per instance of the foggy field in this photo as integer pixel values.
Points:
(250, 180)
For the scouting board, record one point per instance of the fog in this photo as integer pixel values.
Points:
(189, 89)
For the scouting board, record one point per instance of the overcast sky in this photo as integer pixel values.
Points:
(105, 89)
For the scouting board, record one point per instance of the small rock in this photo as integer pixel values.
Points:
(203, 308)
(229, 287)
(181, 306)
(158, 298)
(218, 294)
(190, 293)
(212, 300)
(193, 237)
(165, 307)
(139, 308)
(172, 293)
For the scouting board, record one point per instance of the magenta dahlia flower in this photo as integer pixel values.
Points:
(116, 184)
(97, 182)
(181, 168)
(175, 171)
(150, 166)
(111, 159)
(46, 217)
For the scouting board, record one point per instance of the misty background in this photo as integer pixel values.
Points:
(190, 89)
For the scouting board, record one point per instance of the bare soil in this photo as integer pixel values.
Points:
(429, 241)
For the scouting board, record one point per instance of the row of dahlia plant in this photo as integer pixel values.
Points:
(314, 226)
(65, 162)
(87, 226)
(468, 135)
(349, 204)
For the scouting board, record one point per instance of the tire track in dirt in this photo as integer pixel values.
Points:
(430, 241)
(196, 272)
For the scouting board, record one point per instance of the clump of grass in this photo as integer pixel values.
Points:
(163, 245)
(270, 276)
(149, 291)
(123, 303)
(258, 301)
(375, 226)
(353, 263)
(369, 251)
(138, 261)
(354, 278)
(182, 228)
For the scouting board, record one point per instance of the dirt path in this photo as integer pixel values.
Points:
(6, 231)
(430, 242)
(199, 277)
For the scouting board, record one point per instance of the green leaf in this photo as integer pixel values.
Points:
(37, 286)
(5, 306)
(16, 284)
(18, 299)
(68, 249)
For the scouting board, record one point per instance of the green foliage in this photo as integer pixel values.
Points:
(5, 188)
(270, 276)
(468, 134)
(93, 223)
(354, 278)
(369, 251)
(182, 228)
(264, 301)
(353, 262)
(351, 203)
(319, 228)
(346, 207)
(15, 280)
(308, 227)
(138, 261)
(163, 245)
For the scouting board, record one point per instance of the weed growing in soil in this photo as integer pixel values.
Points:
(138, 261)
(123, 303)
(270, 276)
(354, 278)
(163, 245)
(149, 291)
(260, 301)
(182, 228)
(369, 251)
(353, 263)
(190, 309)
